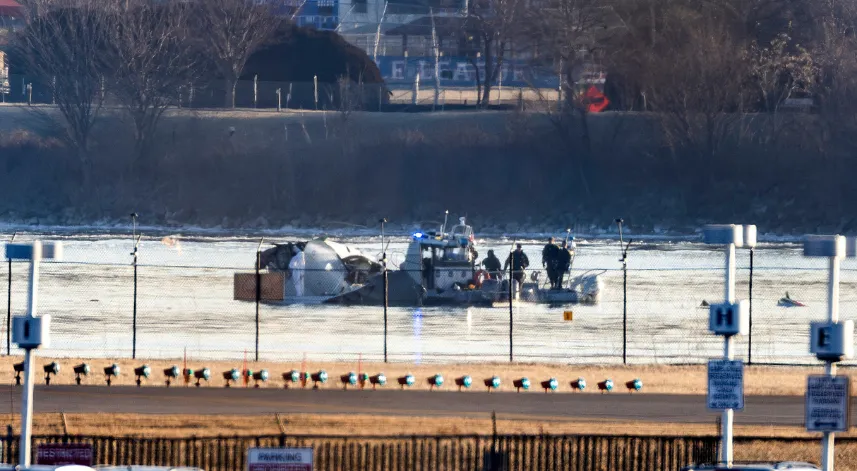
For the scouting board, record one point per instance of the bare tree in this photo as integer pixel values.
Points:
(63, 50)
(229, 31)
(153, 59)
(489, 29)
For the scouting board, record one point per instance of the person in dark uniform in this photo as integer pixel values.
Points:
(492, 265)
(550, 257)
(563, 263)
(519, 262)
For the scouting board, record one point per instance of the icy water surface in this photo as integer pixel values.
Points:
(185, 301)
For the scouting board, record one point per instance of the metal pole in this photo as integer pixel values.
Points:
(511, 314)
(9, 306)
(29, 360)
(134, 254)
(750, 332)
(386, 287)
(624, 261)
(728, 414)
(27, 408)
(258, 296)
(827, 440)
(624, 313)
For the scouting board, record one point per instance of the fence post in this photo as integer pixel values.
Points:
(315, 90)
(386, 285)
(750, 332)
(279, 99)
(9, 311)
(258, 294)
(511, 289)
(134, 319)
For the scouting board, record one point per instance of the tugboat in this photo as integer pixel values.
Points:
(440, 268)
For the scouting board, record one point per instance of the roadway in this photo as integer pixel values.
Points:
(616, 406)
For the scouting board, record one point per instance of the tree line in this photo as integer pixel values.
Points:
(144, 55)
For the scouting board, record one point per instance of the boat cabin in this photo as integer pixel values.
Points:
(439, 260)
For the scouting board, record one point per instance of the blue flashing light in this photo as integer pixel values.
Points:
(418, 235)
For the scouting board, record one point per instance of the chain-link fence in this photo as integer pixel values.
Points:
(186, 292)
(322, 96)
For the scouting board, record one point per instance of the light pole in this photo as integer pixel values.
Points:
(31, 332)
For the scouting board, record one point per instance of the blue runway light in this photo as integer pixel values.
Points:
(318, 377)
(464, 382)
(407, 380)
(492, 383)
(349, 379)
(551, 384)
(579, 384)
(418, 235)
(378, 380)
(435, 381)
(522, 383)
(291, 377)
(634, 385)
(605, 386)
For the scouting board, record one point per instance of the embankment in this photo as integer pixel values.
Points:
(509, 171)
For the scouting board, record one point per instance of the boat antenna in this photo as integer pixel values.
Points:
(445, 217)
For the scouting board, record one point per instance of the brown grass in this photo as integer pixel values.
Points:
(656, 379)
(176, 426)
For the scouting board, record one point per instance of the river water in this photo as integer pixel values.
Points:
(185, 303)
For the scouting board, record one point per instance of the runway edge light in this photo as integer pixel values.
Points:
(348, 379)
(111, 372)
(52, 368)
(171, 374)
(551, 384)
(202, 374)
(231, 376)
(80, 371)
(435, 381)
(141, 372)
(463, 382)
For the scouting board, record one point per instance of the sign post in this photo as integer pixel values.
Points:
(279, 459)
(730, 318)
(30, 332)
(828, 396)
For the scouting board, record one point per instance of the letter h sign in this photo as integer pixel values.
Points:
(729, 319)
